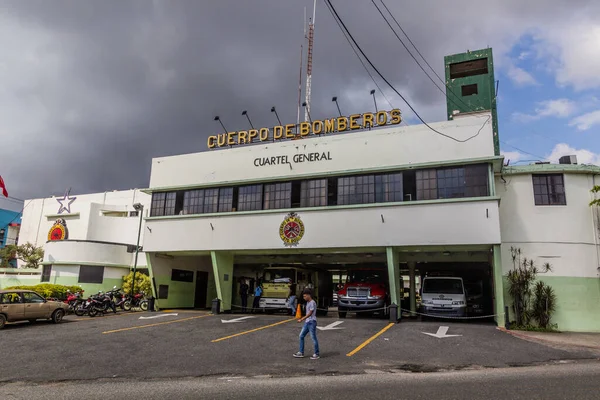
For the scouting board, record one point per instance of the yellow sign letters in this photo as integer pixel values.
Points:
(317, 127)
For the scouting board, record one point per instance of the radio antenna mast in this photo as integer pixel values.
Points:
(300, 78)
(311, 36)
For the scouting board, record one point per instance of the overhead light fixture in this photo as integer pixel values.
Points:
(446, 253)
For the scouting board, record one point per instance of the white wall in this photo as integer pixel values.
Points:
(12, 235)
(410, 224)
(564, 236)
(397, 146)
(40, 214)
(67, 251)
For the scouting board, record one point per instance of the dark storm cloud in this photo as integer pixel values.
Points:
(100, 87)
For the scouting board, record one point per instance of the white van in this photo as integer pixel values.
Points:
(443, 296)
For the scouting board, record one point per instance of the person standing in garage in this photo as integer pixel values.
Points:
(310, 325)
(244, 294)
(257, 293)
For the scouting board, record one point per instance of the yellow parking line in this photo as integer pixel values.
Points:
(369, 340)
(254, 330)
(102, 316)
(158, 323)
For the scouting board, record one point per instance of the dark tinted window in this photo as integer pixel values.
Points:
(356, 190)
(549, 190)
(442, 286)
(182, 275)
(157, 207)
(250, 198)
(278, 195)
(313, 193)
(388, 188)
(46, 272)
(91, 274)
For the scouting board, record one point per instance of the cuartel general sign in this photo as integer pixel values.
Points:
(317, 127)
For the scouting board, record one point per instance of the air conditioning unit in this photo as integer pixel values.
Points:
(568, 160)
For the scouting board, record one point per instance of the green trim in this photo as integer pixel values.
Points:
(21, 271)
(223, 265)
(394, 276)
(93, 264)
(491, 182)
(496, 160)
(328, 208)
(498, 286)
(551, 168)
(152, 280)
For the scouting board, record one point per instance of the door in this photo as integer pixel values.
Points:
(201, 289)
(11, 304)
(35, 306)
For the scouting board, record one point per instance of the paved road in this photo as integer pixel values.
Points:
(184, 346)
(568, 381)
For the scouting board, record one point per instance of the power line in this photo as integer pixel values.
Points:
(393, 88)
(444, 93)
(523, 151)
(21, 212)
(360, 59)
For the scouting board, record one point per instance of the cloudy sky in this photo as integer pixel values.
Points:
(92, 90)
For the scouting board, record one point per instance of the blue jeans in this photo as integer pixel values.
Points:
(293, 303)
(312, 328)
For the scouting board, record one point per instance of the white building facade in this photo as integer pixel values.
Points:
(88, 240)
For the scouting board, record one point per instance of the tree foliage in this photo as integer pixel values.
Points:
(31, 255)
(595, 202)
(142, 283)
(7, 253)
(531, 300)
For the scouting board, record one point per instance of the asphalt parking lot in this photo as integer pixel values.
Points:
(193, 343)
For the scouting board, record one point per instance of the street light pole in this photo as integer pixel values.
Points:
(140, 209)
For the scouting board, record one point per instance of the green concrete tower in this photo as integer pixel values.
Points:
(470, 86)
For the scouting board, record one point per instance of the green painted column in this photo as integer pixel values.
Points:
(498, 286)
(223, 270)
(394, 276)
(151, 275)
(413, 288)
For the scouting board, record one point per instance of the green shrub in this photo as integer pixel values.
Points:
(142, 283)
(47, 290)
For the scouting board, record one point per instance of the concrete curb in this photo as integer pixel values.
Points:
(524, 336)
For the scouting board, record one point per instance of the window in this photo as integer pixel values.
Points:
(226, 199)
(181, 275)
(2, 234)
(211, 200)
(250, 198)
(193, 201)
(469, 68)
(451, 183)
(388, 188)
(207, 200)
(469, 90)
(313, 193)
(29, 297)
(477, 180)
(356, 190)
(91, 274)
(549, 190)
(170, 201)
(278, 195)
(163, 291)
(157, 207)
(426, 184)
(46, 272)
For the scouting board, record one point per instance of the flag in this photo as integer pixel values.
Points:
(3, 187)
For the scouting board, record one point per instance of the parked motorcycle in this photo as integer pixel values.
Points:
(138, 301)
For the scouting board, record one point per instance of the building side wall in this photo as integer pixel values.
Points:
(181, 294)
(565, 237)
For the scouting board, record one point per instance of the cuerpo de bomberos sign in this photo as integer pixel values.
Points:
(317, 127)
